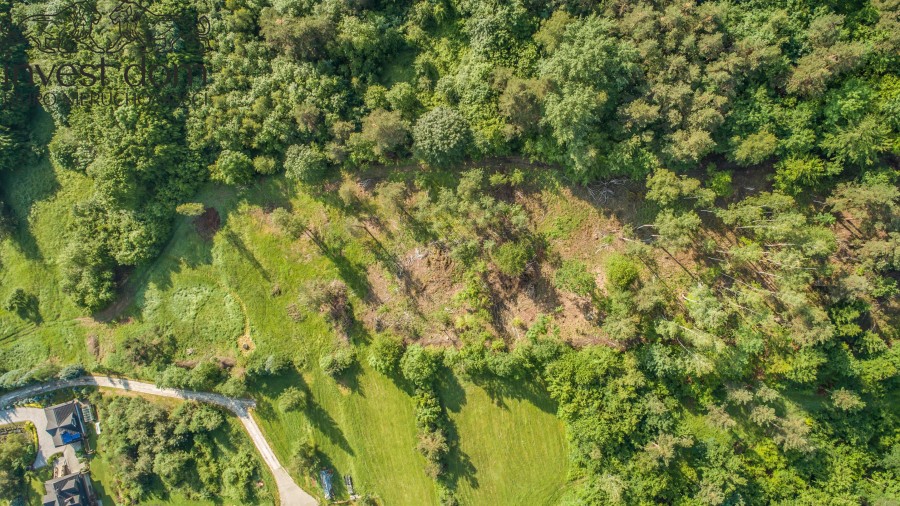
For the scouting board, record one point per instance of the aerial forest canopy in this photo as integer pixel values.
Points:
(804, 91)
(762, 135)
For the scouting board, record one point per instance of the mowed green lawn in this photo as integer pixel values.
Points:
(368, 432)
(512, 449)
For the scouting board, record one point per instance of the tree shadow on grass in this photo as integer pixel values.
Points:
(185, 249)
(20, 191)
(352, 273)
(391, 261)
(266, 409)
(501, 389)
(459, 464)
(245, 253)
(420, 231)
(30, 310)
(453, 395)
(460, 467)
(328, 426)
(541, 291)
(338, 489)
(271, 192)
(273, 386)
(349, 379)
(185, 246)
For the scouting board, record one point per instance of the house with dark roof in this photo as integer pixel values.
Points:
(65, 423)
(70, 490)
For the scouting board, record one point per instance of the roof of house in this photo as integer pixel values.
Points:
(63, 423)
(69, 490)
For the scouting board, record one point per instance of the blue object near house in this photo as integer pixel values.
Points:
(325, 475)
(64, 423)
(70, 437)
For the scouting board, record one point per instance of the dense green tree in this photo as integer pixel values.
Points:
(796, 174)
(677, 231)
(859, 144)
(441, 137)
(172, 468)
(87, 275)
(303, 37)
(265, 165)
(385, 354)
(873, 204)
(14, 104)
(233, 168)
(338, 360)
(292, 399)
(205, 375)
(621, 272)
(387, 133)
(305, 163)
(512, 257)
(402, 98)
(69, 152)
(147, 442)
(669, 189)
(238, 475)
(419, 365)
(597, 391)
(520, 103)
(233, 386)
(828, 56)
(755, 148)
(16, 456)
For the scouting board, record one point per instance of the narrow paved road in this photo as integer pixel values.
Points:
(289, 492)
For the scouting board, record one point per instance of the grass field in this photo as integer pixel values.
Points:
(36, 481)
(41, 200)
(367, 431)
(512, 448)
(215, 295)
(364, 427)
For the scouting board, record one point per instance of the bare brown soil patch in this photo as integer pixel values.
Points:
(208, 223)
(411, 293)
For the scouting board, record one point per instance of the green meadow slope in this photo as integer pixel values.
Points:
(213, 294)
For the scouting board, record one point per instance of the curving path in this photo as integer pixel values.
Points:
(288, 490)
